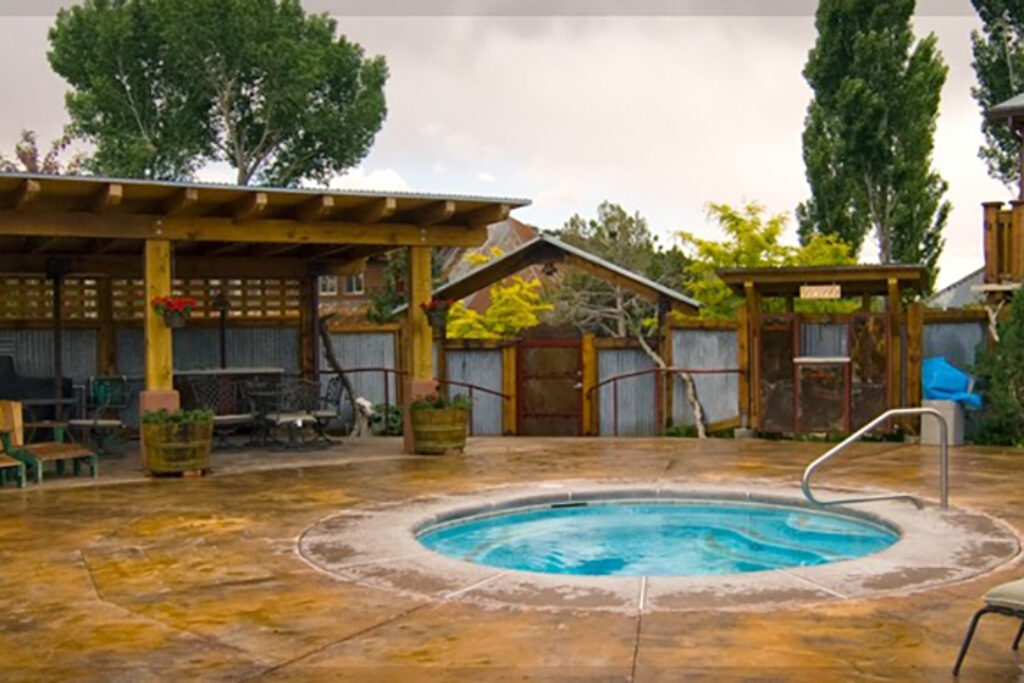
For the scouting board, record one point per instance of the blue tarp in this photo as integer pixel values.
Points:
(943, 381)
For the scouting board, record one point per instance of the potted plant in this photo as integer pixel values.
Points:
(174, 309)
(177, 442)
(439, 425)
(437, 311)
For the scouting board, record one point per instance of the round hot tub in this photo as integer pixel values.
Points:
(657, 538)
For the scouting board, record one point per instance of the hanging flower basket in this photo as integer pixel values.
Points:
(174, 309)
(437, 311)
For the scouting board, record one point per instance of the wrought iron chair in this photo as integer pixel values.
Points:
(326, 409)
(289, 405)
(105, 400)
(221, 396)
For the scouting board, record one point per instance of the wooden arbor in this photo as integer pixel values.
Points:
(856, 361)
(57, 226)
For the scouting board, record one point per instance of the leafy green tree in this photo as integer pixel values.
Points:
(999, 66)
(626, 240)
(869, 132)
(515, 305)
(752, 241)
(161, 87)
(1001, 379)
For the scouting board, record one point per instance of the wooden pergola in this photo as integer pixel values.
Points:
(865, 282)
(58, 226)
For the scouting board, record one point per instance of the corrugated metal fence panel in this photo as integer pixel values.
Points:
(129, 349)
(637, 408)
(957, 342)
(718, 394)
(483, 368)
(261, 347)
(366, 350)
(33, 353)
(199, 347)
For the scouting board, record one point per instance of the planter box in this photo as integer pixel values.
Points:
(177, 448)
(439, 430)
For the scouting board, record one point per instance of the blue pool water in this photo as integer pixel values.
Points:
(685, 538)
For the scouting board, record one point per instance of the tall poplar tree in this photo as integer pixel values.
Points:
(869, 132)
(999, 65)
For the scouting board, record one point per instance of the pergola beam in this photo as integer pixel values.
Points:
(487, 215)
(184, 266)
(374, 211)
(181, 202)
(432, 214)
(316, 209)
(249, 206)
(27, 193)
(215, 229)
(108, 198)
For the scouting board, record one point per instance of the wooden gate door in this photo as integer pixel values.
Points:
(550, 389)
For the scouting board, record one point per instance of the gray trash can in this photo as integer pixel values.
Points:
(954, 414)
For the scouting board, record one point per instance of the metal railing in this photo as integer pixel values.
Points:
(398, 373)
(805, 482)
(659, 392)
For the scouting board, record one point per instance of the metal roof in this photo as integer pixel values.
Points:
(960, 293)
(1011, 107)
(545, 248)
(515, 202)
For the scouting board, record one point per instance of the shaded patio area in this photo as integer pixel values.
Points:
(168, 579)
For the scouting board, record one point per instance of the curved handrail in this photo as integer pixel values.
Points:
(805, 482)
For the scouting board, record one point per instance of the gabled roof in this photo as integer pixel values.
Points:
(546, 249)
(1010, 108)
(960, 293)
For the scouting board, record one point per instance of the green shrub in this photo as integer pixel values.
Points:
(438, 401)
(1000, 372)
(386, 420)
(176, 417)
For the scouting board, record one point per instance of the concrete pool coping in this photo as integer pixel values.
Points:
(377, 547)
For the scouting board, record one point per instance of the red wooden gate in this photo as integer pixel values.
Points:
(549, 387)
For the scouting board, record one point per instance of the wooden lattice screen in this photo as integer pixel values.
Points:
(31, 298)
(254, 299)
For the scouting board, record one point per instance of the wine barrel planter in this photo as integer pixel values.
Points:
(439, 430)
(177, 448)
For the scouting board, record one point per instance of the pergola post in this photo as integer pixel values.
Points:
(159, 392)
(419, 377)
(894, 306)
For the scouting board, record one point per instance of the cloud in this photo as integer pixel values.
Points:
(378, 179)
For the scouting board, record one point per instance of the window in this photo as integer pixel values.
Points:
(354, 284)
(328, 285)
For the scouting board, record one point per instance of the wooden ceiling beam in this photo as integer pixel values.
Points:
(316, 209)
(487, 215)
(216, 229)
(250, 206)
(118, 265)
(272, 250)
(374, 211)
(44, 245)
(108, 198)
(436, 212)
(27, 193)
(181, 202)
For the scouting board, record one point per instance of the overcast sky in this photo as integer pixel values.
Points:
(661, 114)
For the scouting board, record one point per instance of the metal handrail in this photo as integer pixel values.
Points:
(805, 482)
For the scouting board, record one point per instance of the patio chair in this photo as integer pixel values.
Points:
(231, 411)
(1006, 599)
(288, 404)
(106, 398)
(36, 455)
(327, 408)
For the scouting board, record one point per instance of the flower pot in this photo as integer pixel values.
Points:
(177, 448)
(439, 430)
(174, 319)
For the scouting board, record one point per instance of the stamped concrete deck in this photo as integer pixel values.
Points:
(124, 578)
